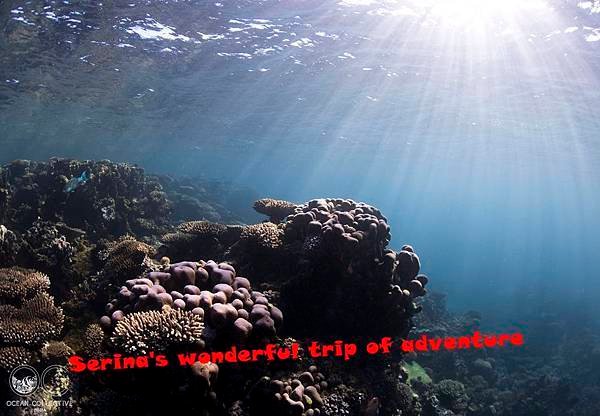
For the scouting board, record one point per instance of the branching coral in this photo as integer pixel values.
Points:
(28, 316)
(34, 322)
(13, 356)
(17, 284)
(142, 332)
(93, 340)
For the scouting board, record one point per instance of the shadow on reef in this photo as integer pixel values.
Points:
(118, 255)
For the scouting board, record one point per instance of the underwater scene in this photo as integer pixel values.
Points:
(300, 207)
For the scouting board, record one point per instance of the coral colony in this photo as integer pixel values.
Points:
(100, 274)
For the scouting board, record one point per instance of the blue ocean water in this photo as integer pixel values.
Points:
(472, 125)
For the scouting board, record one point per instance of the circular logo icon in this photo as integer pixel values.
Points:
(55, 380)
(24, 380)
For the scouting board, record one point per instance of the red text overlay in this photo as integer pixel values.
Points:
(273, 352)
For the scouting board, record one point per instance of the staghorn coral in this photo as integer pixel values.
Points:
(17, 284)
(275, 209)
(142, 332)
(31, 324)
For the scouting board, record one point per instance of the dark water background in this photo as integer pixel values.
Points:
(473, 125)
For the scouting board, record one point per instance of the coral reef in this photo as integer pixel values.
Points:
(116, 200)
(34, 322)
(348, 267)
(47, 248)
(194, 237)
(452, 395)
(28, 316)
(201, 199)
(345, 227)
(10, 246)
(211, 292)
